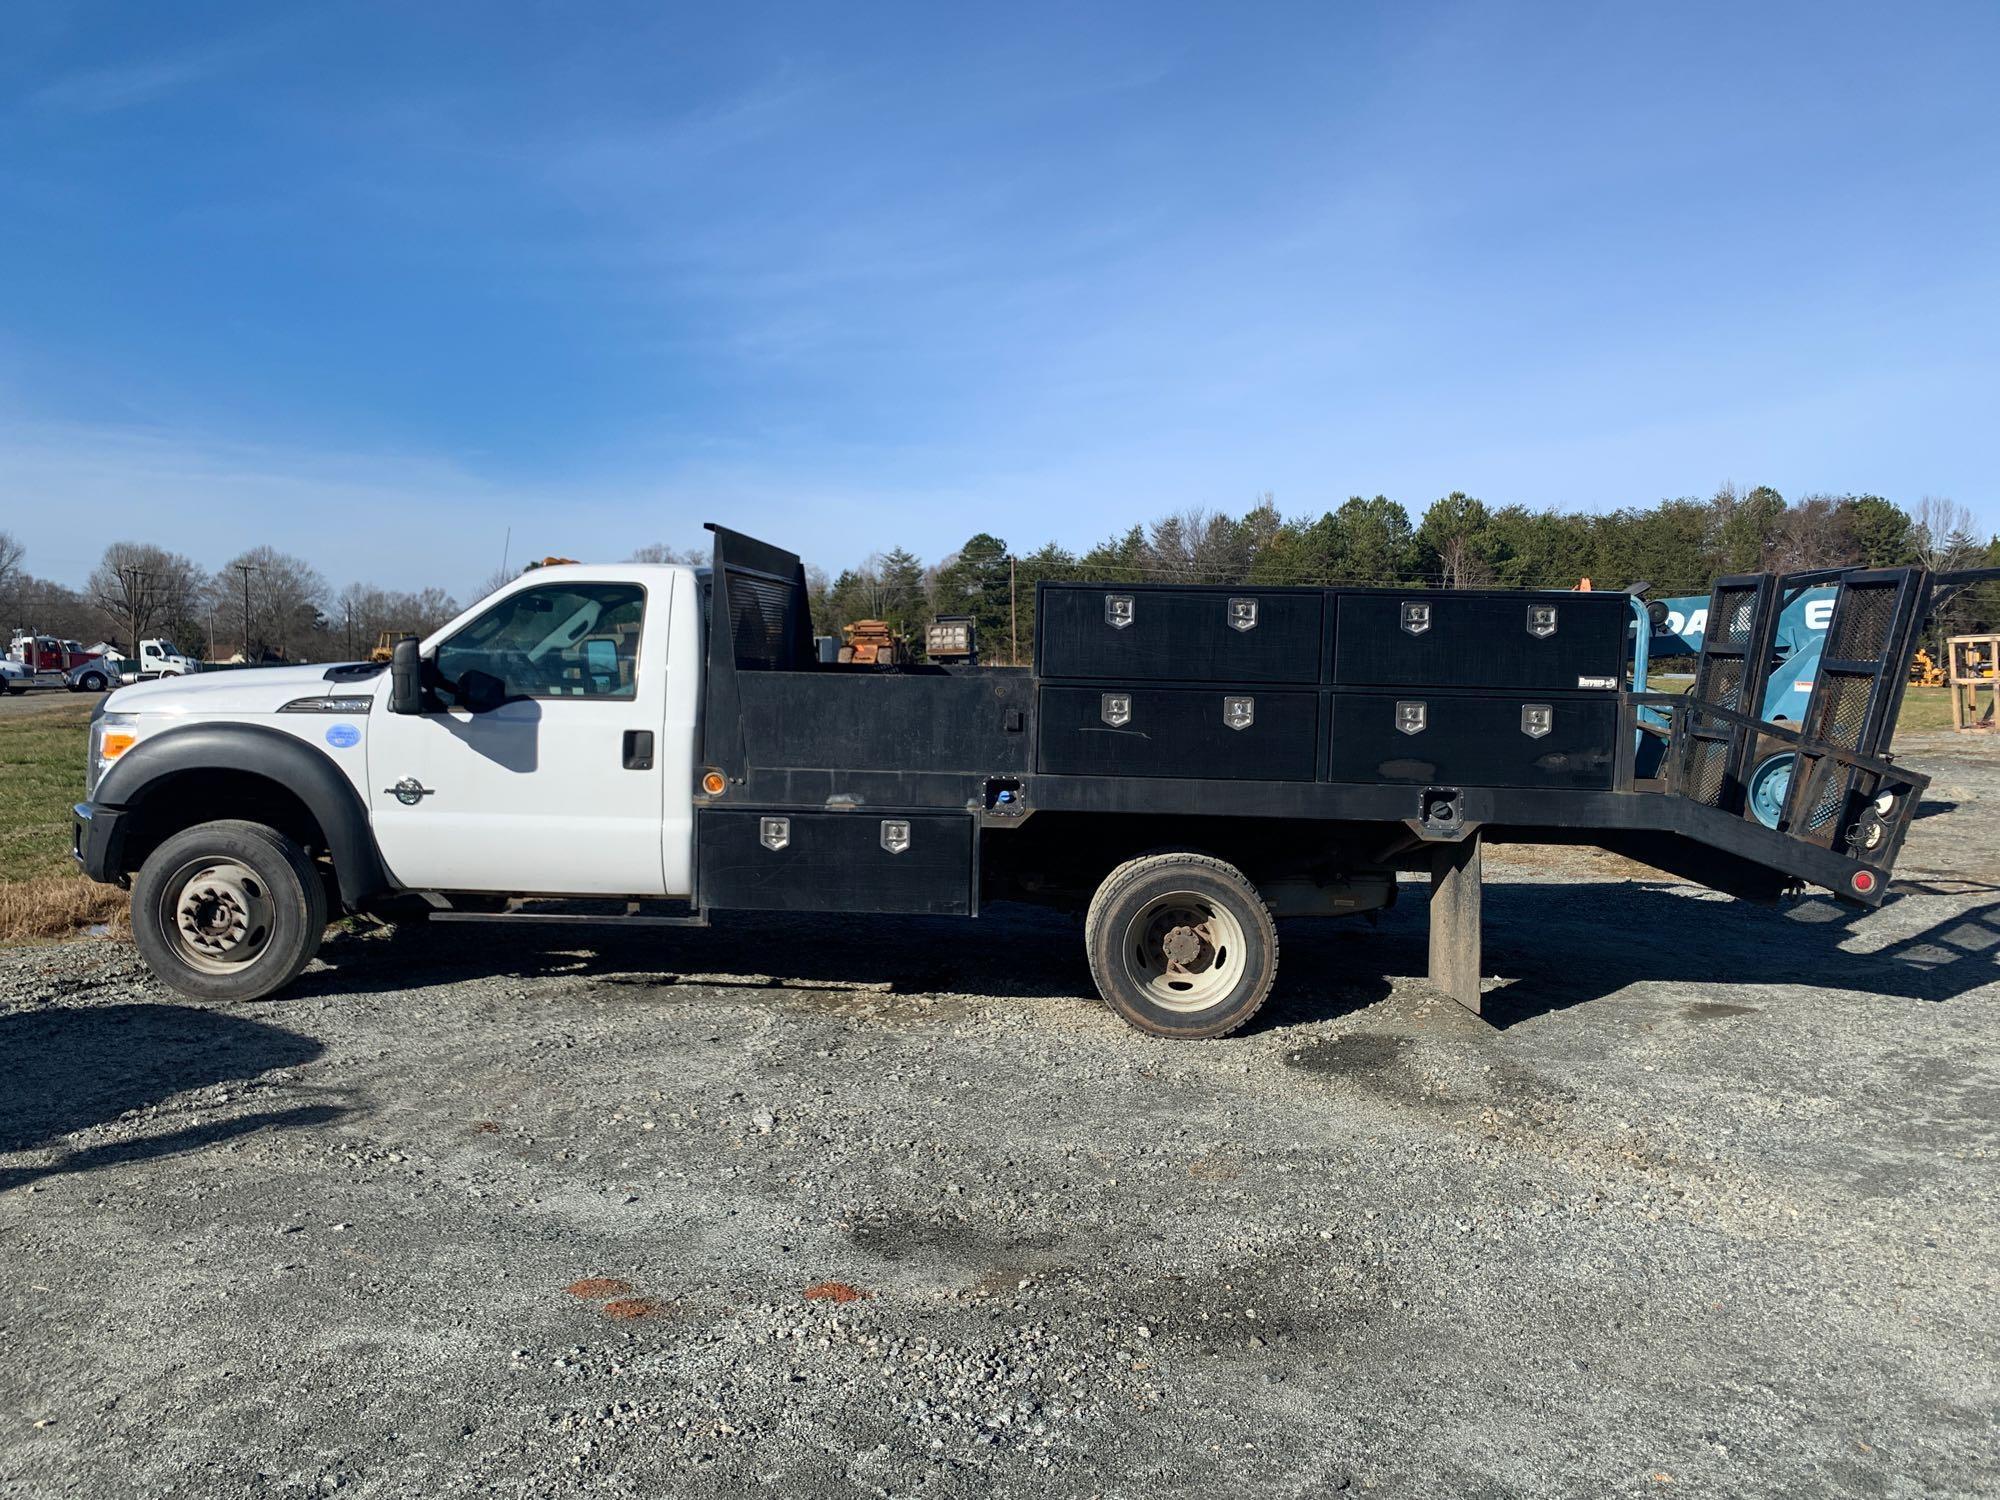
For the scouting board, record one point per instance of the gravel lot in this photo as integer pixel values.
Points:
(826, 1208)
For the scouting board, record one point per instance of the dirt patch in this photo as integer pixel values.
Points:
(625, 1309)
(595, 1288)
(835, 1291)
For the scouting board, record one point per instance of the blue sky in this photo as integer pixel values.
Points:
(374, 283)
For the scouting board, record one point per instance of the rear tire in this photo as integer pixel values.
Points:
(228, 911)
(1181, 945)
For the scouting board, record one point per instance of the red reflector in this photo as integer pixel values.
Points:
(1863, 882)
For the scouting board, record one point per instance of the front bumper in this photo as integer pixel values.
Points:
(96, 834)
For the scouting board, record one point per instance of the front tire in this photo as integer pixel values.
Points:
(228, 911)
(1181, 945)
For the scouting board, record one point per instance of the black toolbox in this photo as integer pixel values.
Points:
(866, 860)
(1511, 642)
(1179, 634)
(1239, 733)
(1422, 738)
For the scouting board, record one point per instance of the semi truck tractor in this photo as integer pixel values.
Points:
(1183, 766)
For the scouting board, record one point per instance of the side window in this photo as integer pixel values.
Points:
(559, 641)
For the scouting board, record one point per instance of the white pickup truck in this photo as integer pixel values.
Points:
(157, 658)
(1182, 765)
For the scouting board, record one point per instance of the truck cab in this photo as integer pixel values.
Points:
(161, 658)
(535, 754)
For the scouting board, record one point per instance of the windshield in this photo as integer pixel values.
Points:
(168, 648)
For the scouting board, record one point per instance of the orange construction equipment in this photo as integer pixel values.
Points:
(872, 643)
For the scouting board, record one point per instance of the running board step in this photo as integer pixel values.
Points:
(632, 916)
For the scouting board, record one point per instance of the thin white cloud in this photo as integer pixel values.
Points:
(126, 85)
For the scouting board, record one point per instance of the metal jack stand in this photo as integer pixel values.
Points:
(1455, 897)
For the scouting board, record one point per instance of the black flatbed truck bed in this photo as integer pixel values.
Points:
(1316, 740)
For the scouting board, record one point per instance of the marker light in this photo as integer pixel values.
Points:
(1863, 881)
(713, 783)
(115, 744)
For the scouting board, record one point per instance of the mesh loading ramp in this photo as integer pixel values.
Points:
(1844, 806)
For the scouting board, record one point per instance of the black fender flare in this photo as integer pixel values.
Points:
(276, 756)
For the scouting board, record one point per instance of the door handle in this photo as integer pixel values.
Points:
(638, 749)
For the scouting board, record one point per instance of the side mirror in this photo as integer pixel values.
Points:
(406, 678)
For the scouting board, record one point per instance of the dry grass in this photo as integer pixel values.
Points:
(41, 773)
(53, 906)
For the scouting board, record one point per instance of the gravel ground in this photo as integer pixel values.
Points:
(825, 1208)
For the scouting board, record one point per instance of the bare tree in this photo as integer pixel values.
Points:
(1812, 532)
(11, 553)
(1198, 545)
(660, 552)
(363, 613)
(1942, 532)
(277, 600)
(142, 589)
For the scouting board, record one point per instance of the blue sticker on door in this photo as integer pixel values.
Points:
(341, 736)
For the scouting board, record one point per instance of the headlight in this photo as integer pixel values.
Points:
(111, 735)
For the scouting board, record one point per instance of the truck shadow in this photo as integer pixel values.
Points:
(1557, 944)
(71, 1068)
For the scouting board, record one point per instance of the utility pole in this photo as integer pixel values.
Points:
(244, 569)
(1013, 618)
(137, 584)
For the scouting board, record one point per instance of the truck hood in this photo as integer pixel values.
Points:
(253, 690)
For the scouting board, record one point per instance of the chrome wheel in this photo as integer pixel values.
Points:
(1185, 953)
(222, 916)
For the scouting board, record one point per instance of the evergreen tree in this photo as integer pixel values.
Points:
(975, 582)
(1881, 531)
(1454, 543)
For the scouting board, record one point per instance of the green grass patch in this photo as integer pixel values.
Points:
(41, 777)
(1924, 708)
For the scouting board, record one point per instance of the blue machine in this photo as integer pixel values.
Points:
(1674, 627)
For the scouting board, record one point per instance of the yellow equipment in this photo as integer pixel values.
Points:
(385, 645)
(872, 643)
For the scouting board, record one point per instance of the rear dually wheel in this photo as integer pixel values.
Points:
(1181, 945)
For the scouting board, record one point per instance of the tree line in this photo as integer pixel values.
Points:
(260, 605)
(271, 605)
(1676, 547)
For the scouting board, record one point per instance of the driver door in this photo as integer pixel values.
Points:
(557, 789)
